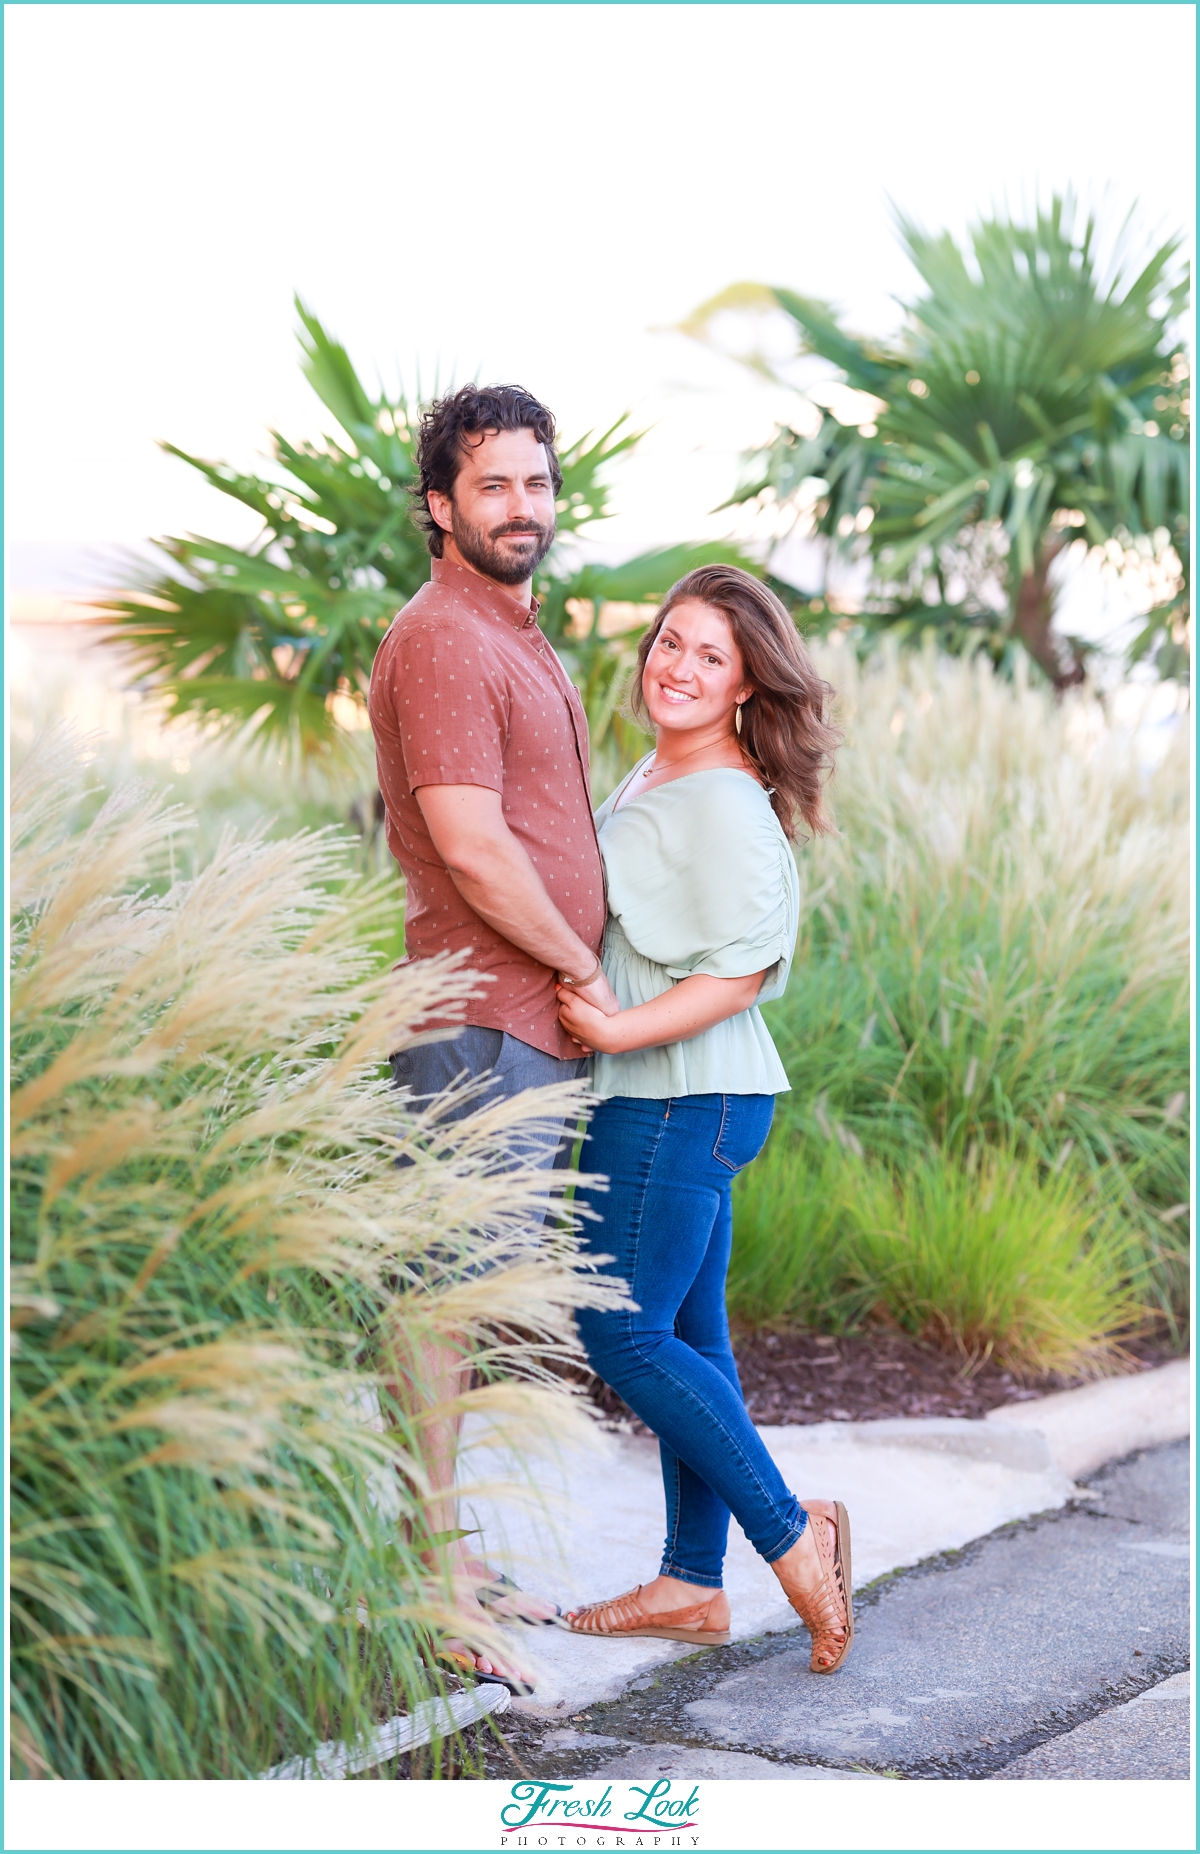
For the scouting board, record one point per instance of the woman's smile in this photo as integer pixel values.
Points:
(694, 675)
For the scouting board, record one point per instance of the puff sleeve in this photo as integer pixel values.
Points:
(705, 887)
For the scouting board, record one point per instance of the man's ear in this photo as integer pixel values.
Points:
(442, 510)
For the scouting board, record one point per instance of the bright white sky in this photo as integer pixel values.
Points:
(527, 190)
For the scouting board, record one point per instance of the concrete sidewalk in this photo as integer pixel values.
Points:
(914, 1488)
(1048, 1650)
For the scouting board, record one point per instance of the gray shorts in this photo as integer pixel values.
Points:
(511, 1065)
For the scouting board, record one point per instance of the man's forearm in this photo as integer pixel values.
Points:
(496, 876)
(503, 887)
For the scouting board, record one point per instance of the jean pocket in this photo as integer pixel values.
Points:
(745, 1123)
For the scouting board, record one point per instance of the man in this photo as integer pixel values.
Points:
(482, 752)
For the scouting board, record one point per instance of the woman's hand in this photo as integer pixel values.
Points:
(689, 1007)
(591, 1029)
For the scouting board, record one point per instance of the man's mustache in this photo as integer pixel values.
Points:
(517, 527)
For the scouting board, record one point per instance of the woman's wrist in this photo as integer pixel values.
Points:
(630, 1030)
(616, 1035)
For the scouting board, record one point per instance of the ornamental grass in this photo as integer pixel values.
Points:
(992, 969)
(219, 1514)
(990, 1260)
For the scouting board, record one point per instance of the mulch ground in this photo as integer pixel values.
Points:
(801, 1377)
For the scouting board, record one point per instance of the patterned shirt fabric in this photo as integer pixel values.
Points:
(466, 690)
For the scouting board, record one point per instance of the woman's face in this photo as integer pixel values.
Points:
(694, 676)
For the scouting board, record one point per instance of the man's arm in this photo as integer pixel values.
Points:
(495, 875)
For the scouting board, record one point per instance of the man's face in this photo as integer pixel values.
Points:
(501, 514)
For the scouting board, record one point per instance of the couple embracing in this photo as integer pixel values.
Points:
(635, 945)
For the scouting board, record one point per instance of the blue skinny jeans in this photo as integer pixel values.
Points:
(667, 1222)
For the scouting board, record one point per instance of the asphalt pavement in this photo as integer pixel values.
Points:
(1048, 1649)
(1146, 1738)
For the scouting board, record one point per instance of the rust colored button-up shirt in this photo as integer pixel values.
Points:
(465, 690)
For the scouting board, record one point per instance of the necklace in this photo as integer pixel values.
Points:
(652, 767)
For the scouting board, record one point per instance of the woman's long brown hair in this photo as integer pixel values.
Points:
(786, 730)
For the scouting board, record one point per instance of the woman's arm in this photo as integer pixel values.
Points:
(693, 1005)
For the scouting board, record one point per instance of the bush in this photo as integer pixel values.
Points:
(989, 1261)
(993, 952)
(792, 1234)
(216, 1537)
(996, 1259)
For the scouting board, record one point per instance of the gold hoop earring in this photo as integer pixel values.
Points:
(737, 717)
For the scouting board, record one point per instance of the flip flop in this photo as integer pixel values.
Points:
(495, 1592)
(464, 1666)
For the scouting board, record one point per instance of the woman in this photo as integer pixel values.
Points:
(703, 905)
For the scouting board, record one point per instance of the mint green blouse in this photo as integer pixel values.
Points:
(700, 879)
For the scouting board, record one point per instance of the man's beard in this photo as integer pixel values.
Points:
(481, 548)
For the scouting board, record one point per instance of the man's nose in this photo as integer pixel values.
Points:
(520, 504)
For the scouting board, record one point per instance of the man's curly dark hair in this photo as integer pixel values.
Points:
(446, 429)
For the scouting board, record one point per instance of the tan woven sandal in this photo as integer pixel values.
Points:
(624, 1616)
(827, 1611)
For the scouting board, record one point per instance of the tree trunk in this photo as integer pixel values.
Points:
(1032, 621)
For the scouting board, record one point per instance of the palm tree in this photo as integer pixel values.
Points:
(279, 636)
(1034, 395)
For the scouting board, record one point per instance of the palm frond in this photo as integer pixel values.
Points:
(276, 639)
(1033, 391)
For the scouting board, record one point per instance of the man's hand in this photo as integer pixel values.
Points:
(495, 875)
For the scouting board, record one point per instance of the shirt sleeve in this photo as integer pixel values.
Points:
(452, 706)
(704, 886)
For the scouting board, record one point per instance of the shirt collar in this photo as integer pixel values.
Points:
(492, 597)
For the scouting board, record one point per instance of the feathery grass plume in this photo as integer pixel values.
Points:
(218, 1511)
(994, 951)
(222, 780)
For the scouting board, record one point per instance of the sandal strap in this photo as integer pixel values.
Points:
(616, 1615)
(611, 1617)
(823, 1608)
